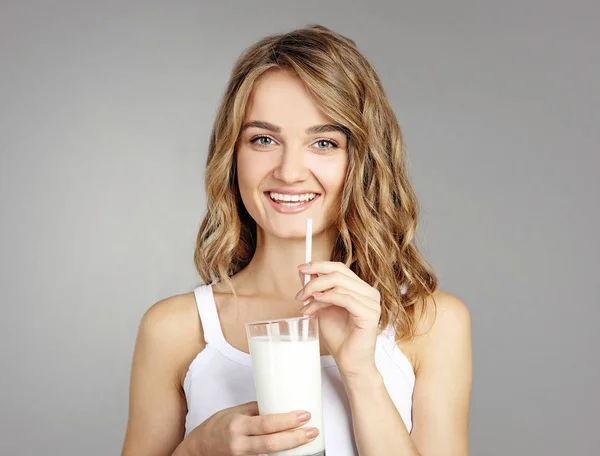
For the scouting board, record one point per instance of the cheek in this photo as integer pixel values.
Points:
(332, 177)
(252, 169)
(243, 173)
(247, 170)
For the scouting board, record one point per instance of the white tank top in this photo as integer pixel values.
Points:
(221, 377)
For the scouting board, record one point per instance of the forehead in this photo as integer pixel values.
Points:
(281, 97)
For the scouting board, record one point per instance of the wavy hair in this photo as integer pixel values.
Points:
(377, 217)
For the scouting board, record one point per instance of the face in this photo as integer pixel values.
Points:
(291, 159)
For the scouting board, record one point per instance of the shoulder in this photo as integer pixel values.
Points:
(449, 313)
(171, 315)
(444, 324)
(443, 377)
(171, 330)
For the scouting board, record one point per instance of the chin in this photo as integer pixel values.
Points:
(287, 232)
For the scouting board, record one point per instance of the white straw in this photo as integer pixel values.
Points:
(308, 247)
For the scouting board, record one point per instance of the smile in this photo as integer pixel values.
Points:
(286, 203)
(291, 200)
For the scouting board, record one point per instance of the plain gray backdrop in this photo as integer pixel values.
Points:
(105, 114)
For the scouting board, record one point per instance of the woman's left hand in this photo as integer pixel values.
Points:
(348, 310)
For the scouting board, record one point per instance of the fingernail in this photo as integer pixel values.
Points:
(300, 293)
(305, 307)
(311, 433)
(303, 417)
(318, 294)
(304, 266)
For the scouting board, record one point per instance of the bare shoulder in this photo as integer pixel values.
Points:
(450, 313)
(169, 337)
(171, 329)
(445, 322)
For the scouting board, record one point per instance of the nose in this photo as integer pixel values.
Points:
(291, 167)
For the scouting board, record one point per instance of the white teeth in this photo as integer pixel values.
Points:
(286, 197)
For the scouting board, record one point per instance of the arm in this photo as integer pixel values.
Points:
(349, 311)
(440, 399)
(378, 427)
(166, 343)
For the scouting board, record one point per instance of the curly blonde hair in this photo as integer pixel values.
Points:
(377, 217)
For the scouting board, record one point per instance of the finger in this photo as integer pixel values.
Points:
(267, 444)
(363, 315)
(327, 267)
(367, 301)
(302, 281)
(339, 280)
(277, 422)
(330, 296)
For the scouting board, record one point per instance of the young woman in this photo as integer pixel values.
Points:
(305, 130)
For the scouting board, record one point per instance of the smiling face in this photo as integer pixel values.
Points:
(291, 159)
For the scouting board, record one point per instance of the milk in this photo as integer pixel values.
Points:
(287, 377)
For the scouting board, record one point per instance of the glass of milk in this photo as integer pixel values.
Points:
(286, 363)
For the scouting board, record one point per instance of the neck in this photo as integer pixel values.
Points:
(273, 270)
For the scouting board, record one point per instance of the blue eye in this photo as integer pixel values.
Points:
(326, 141)
(260, 143)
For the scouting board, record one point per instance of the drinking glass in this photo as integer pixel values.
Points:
(286, 364)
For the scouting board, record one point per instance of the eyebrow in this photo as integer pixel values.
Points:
(315, 129)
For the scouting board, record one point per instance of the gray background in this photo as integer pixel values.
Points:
(105, 114)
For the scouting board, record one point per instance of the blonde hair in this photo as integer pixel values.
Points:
(377, 218)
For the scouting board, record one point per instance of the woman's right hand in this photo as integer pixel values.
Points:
(240, 431)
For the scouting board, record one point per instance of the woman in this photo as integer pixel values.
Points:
(305, 130)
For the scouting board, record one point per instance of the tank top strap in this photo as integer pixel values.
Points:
(207, 309)
(211, 326)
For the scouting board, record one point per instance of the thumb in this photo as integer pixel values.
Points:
(301, 276)
(249, 408)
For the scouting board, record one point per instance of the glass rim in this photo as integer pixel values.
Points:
(278, 320)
